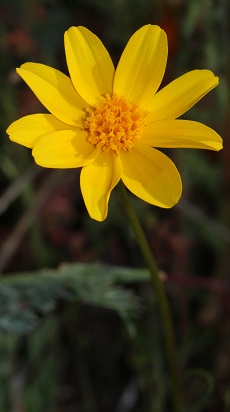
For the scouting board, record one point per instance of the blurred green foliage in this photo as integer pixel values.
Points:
(87, 337)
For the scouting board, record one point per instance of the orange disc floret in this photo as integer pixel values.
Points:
(114, 124)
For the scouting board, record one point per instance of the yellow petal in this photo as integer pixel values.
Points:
(97, 181)
(151, 175)
(90, 66)
(55, 91)
(29, 129)
(181, 94)
(181, 133)
(64, 149)
(142, 65)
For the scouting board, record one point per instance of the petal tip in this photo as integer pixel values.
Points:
(218, 146)
(72, 28)
(212, 76)
(215, 79)
(98, 218)
(24, 66)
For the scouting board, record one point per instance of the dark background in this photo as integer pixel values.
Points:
(92, 343)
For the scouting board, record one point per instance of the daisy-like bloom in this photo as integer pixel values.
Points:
(110, 122)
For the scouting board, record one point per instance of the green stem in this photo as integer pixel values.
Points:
(167, 323)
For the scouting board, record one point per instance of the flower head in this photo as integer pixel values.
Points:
(111, 122)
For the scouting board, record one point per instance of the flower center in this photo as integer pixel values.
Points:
(114, 124)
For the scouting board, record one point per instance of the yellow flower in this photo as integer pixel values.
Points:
(110, 122)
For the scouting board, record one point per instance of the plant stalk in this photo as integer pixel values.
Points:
(167, 324)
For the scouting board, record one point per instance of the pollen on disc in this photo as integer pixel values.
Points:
(114, 124)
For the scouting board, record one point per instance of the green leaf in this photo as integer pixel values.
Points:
(25, 297)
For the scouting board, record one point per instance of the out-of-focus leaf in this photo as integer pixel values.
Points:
(26, 297)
